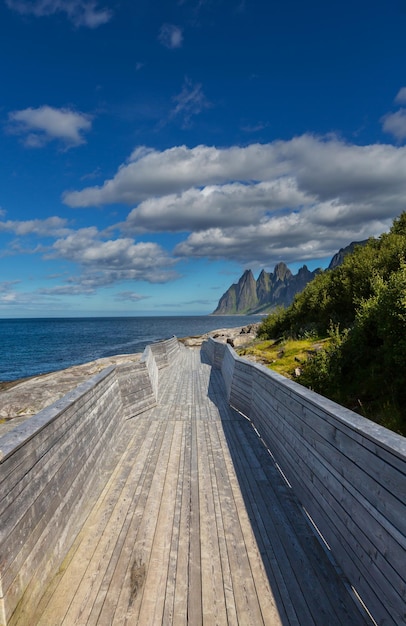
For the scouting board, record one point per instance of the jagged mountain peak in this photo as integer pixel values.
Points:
(338, 258)
(281, 271)
(271, 289)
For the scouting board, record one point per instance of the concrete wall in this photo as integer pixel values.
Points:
(348, 472)
(55, 464)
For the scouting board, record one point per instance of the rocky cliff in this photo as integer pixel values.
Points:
(271, 289)
(338, 258)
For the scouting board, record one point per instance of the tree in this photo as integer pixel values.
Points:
(361, 306)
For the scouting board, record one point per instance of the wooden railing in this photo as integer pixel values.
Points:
(54, 465)
(348, 472)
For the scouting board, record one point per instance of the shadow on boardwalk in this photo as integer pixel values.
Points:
(306, 584)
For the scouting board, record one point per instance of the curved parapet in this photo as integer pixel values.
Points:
(348, 472)
(54, 465)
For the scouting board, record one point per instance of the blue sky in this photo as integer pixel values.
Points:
(151, 151)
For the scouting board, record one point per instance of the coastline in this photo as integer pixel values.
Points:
(24, 397)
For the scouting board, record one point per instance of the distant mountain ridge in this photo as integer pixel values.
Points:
(276, 288)
(338, 258)
(271, 289)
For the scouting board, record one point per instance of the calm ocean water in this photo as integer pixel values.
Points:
(35, 346)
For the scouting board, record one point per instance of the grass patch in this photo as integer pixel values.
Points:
(287, 357)
(283, 356)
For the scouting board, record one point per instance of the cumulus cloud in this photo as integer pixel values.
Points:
(395, 124)
(317, 169)
(101, 261)
(87, 283)
(44, 124)
(149, 173)
(288, 200)
(49, 227)
(301, 236)
(214, 205)
(114, 260)
(80, 12)
(401, 96)
(170, 36)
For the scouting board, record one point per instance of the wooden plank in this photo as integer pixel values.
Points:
(196, 525)
(227, 581)
(128, 607)
(316, 459)
(26, 444)
(344, 448)
(52, 495)
(28, 606)
(70, 584)
(114, 519)
(337, 422)
(245, 597)
(195, 587)
(323, 589)
(213, 599)
(180, 607)
(68, 516)
(243, 453)
(340, 511)
(153, 600)
(172, 578)
(123, 584)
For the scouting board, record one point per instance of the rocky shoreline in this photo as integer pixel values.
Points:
(20, 399)
(236, 337)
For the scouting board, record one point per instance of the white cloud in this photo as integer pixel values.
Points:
(49, 227)
(28, 301)
(289, 238)
(318, 169)
(152, 173)
(395, 124)
(401, 96)
(101, 261)
(114, 260)
(214, 205)
(44, 124)
(287, 200)
(170, 36)
(79, 12)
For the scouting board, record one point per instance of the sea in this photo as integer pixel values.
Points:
(29, 347)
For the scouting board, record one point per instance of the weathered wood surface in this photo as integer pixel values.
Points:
(195, 526)
(50, 468)
(165, 351)
(136, 389)
(349, 473)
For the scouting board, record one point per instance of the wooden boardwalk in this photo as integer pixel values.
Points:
(195, 526)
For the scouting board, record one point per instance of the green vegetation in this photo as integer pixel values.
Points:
(361, 308)
(285, 356)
